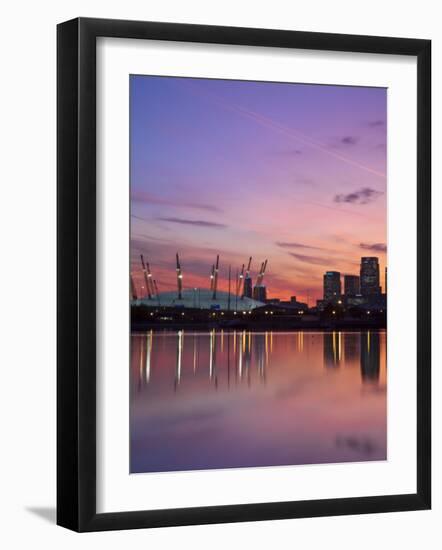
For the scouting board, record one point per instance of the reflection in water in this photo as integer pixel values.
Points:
(370, 357)
(332, 349)
(179, 357)
(222, 399)
(352, 346)
(148, 355)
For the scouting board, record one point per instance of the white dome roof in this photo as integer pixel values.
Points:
(201, 298)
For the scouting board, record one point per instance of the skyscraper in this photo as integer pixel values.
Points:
(351, 285)
(332, 285)
(370, 276)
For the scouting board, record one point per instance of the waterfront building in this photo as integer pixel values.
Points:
(351, 285)
(369, 276)
(332, 285)
(200, 298)
(355, 300)
(293, 305)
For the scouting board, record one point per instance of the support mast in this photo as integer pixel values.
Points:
(230, 278)
(179, 277)
(215, 280)
(150, 279)
(212, 277)
(146, 282)
(247, 276)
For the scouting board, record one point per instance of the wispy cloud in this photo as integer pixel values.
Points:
(315, 260)
(349, 140)
(298, 245)
(376, 123)
(321, 260)
(148, 198)
(338, 209)
(375, 247)
(363, 196)
(199, 223)
(141, 218)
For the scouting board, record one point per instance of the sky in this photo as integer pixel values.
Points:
(292, 173)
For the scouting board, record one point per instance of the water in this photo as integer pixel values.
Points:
(242, 399)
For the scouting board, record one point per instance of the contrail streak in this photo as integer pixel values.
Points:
(289, 132)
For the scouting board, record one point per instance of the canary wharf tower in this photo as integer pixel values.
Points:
(369, 278)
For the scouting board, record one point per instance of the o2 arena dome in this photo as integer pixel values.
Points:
(200, 298)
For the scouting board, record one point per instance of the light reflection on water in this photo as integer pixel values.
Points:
(221, 399)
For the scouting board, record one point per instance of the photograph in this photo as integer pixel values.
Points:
(258, 274)
(204, 212)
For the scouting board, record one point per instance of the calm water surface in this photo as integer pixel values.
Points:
(222, 399)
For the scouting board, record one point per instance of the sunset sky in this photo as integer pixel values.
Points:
(293, 173)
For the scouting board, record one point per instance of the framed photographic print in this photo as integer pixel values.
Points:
(243, 226)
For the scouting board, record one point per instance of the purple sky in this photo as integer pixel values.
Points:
(290, 172)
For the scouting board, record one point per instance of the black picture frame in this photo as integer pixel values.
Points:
(76, 274)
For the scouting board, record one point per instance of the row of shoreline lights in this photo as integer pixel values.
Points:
(222, 313)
